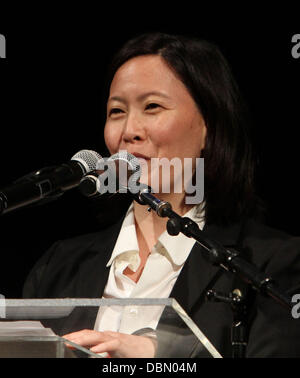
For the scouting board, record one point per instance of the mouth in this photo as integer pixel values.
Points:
(140, 156)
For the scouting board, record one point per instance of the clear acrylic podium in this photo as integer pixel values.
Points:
(176, 335)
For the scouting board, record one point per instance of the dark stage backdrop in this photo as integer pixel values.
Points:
(51, 106)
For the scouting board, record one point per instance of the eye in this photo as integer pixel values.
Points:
(115, 111)
(152, 106)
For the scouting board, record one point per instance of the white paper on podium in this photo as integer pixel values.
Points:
(24, 328)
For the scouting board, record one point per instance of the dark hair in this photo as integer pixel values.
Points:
(229, 163)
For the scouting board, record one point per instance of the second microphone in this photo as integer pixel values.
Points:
(119, 173)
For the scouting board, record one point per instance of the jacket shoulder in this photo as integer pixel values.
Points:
(267, 240)
(66, 260)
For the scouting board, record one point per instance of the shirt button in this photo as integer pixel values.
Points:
(133, 311)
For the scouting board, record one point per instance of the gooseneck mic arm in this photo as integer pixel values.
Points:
(213, 251)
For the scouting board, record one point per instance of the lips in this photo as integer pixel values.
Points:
(140, 156)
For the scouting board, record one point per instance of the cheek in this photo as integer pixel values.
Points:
(166, 131)
(191, 132)
(171, 133)
(111, 137)
(183, 139)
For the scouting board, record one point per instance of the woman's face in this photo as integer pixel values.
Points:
(151, 114)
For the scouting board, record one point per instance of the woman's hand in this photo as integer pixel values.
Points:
(118, 345)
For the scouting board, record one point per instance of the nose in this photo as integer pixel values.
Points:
(134, 131)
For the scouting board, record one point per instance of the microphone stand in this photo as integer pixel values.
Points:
(229, 260)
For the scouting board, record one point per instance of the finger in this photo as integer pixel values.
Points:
(87, 339)
(112, 334)
(111, 345)
(77, 333)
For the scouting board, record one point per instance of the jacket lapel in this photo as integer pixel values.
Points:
(198, 274)
(95, 268)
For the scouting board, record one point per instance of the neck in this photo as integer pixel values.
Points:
(150, 224)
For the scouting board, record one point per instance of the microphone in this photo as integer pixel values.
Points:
(119, 173)
(48, 183)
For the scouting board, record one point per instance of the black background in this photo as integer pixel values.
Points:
(51, 104)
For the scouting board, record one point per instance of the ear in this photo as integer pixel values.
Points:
(203, 136)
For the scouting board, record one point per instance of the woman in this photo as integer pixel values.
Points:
(172, 96)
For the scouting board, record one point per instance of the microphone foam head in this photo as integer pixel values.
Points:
(88, 159)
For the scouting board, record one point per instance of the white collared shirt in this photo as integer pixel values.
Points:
(159, 275)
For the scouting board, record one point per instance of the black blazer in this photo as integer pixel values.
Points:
(77, 268)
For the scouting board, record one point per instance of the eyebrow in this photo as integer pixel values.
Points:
(141, 97)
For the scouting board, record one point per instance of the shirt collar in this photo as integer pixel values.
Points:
(127, 240)
(175, 248)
